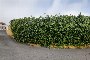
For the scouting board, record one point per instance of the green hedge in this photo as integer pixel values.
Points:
(52, 30)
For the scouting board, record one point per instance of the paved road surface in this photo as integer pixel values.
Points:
(10, 50)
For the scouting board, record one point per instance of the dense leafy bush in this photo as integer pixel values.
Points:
(52, 30)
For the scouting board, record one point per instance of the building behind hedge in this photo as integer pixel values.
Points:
(3, 26)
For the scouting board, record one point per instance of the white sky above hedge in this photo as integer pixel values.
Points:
(10, 9)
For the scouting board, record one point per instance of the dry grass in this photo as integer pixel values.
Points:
(34, 45)
(71, 47)
(9, 31)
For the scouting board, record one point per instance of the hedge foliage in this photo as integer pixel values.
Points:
(52, 30)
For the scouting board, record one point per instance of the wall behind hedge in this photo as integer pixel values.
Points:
(52, 30)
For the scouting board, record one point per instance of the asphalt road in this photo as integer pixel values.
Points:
(11, 50)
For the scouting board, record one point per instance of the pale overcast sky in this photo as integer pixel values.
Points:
(10, 9)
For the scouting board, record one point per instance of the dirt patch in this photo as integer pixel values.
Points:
(0, 38)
